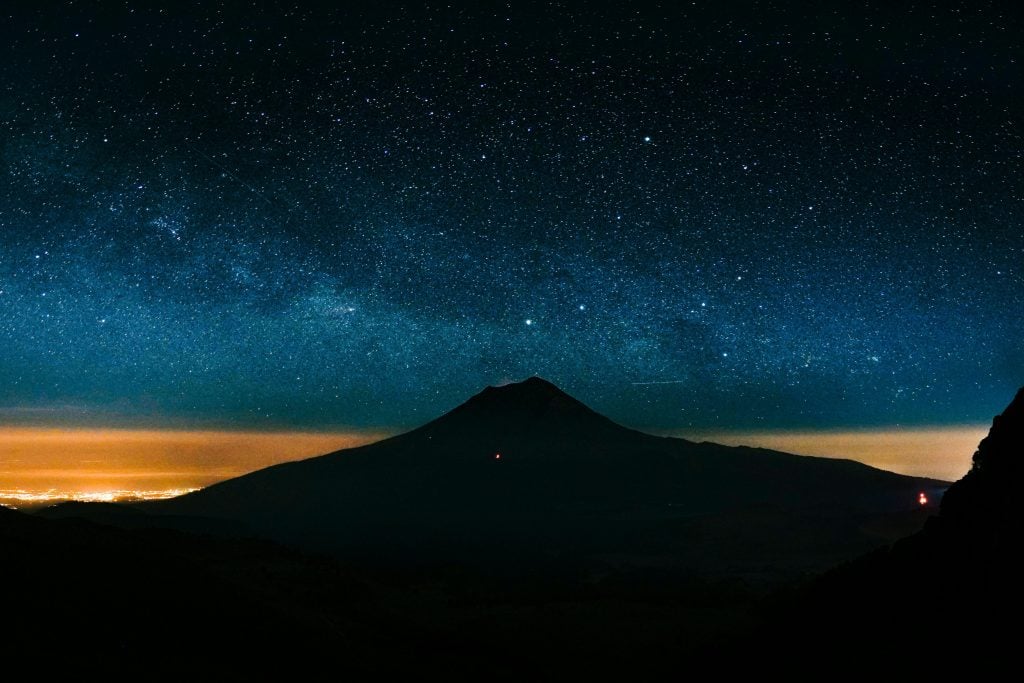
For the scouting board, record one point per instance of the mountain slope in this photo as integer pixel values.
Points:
(527, 469)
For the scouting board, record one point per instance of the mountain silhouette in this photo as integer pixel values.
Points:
(525, 470)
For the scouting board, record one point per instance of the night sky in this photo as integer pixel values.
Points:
(708, 216)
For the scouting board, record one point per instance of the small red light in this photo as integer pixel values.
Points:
(922, 498)
(497, 456)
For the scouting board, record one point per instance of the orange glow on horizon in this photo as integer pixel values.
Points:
(39, 465)
(938, 452)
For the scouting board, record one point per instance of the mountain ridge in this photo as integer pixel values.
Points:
(526, 469)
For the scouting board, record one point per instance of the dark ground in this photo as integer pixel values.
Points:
(81, 598)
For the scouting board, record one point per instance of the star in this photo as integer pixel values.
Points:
(331, 218)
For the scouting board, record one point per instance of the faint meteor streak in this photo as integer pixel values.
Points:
(664, 381)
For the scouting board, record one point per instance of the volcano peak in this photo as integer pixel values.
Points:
(534, 395)
(533, 386)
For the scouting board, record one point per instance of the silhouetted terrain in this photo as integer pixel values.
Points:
(81, 598)
(952, 592)
(128, 600)
(525, 475)
(129, 517)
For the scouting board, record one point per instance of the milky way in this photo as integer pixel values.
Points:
(307, 217)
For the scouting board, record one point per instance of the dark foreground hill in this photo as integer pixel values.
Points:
(88, 600)
(525, 474)
(84, 599)
(948, 596)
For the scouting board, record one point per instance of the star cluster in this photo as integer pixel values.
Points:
(262, 214)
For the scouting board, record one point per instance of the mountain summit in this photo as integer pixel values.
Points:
(534, 389)
(533, 400)
(525, 469)
(532, 420)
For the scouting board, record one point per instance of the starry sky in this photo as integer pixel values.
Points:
(690, 216)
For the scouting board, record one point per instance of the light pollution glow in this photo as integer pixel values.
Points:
(43, 465)
(938, 452)
(21, 498)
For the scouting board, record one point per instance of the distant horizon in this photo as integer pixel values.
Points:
(622, 407)
(39, 464)
(42, 463)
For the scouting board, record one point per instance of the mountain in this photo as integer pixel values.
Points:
(524, 473)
